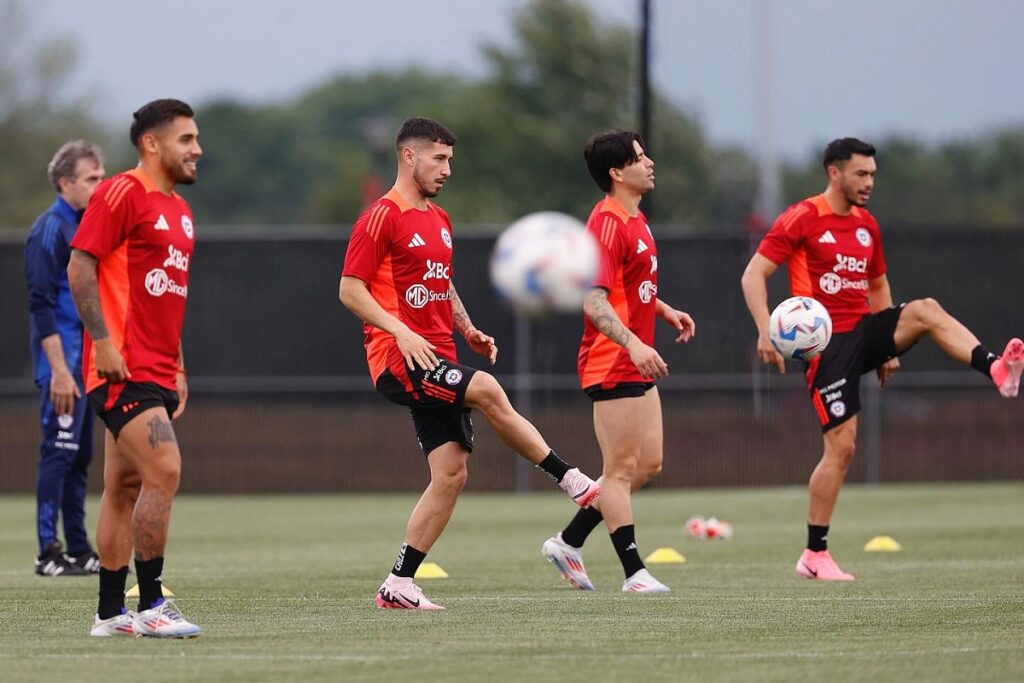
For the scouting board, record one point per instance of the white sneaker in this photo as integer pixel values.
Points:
(643, 582)
(582, 489)
(568, 561)
(164, 621)
(399, 592)
(119, 625)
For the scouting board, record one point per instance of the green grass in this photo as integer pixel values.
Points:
(284, 587)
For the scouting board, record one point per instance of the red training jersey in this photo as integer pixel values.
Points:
(143, 240)
(830, 257)
(404, 255)
(628, 269)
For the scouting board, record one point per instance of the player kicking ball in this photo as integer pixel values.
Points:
(617, 362)
(833, 249)
(397, 279)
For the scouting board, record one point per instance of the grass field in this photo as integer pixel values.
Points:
(284, 587)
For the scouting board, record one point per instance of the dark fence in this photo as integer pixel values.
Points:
(281, 400)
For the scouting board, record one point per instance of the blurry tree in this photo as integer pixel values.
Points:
(34, 117)
(306, 162)
(521, 133)
(565, 78)
(963, 183)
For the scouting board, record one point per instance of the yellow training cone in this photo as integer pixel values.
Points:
(665, 556)
(431, 570)
(882, 544)
(133, 592)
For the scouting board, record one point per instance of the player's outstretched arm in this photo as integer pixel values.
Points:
(356, 297)
(680, 320)
(755, 292)
(646, 359)
(477, 340)
(85, 292)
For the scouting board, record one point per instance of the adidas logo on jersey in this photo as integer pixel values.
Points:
(161, 224)
(640, 246)
(417, 241)
(827, 238)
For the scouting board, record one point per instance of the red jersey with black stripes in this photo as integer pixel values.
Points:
(628, 269)
(830, 257)
(143, 240)
(404, 255)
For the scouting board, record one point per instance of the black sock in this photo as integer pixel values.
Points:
(554, 466)
(585, 521)
(112, 592)
(149, 572)
(624, 540)
(409, 560)
(982, 360)
(817, 537)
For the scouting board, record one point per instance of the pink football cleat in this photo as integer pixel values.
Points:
(1006, 369)
(820, 565)
(582, 489)
(399, 592)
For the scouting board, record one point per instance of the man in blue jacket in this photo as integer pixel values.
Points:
(66, 418)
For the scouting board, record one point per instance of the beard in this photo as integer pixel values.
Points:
(423, 184)
(178, 174)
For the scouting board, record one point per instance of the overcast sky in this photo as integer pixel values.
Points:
(936, 69)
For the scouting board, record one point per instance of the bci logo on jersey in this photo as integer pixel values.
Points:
(176, 259)
(437, 270)
(851, 264)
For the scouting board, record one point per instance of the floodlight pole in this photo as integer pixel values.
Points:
(644, 94)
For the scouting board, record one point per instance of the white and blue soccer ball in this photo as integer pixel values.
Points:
(800, 328)
(544, 262)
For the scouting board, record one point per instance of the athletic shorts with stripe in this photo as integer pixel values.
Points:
(118, 404)
(435, 400)
(599, 392)
(833, 378)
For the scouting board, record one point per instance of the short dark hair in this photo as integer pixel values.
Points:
(65, 162)
(155, 114)
(608, 150)
(428, 130)
(843, 149)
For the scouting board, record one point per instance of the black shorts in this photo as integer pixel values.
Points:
(621, 390)
(118, 404)
(833, 378)
(435, 400)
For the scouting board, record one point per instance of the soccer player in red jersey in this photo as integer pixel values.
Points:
(129, 278)
(834, 253)
(397, 279)
(617, 361)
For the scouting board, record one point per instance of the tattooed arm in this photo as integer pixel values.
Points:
(477, 340)
(601, 313)
(85, 291)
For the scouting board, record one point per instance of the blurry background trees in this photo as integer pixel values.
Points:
(318, 158)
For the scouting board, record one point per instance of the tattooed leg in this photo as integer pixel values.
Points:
(148, 440)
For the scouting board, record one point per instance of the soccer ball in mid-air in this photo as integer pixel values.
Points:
(544, 262)
(800, 328)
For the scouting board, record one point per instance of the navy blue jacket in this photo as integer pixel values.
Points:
(50, 306)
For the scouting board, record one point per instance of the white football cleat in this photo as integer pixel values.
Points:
(118, 625)
(568, 561)
(643, 582)
(164, 621)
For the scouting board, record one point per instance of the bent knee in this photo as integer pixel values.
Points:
(452, 480)
(485, 393)
(928, 309)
